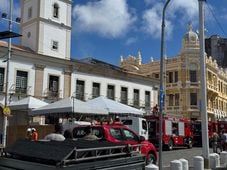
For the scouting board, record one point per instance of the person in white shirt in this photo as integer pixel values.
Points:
(57, 135)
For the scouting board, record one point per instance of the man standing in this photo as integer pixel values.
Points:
(34, 134)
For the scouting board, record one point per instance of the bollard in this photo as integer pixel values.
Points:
(151, 167)
(214, 160)
(223, 158)
(176, 165)
(198, 163)
(184, 164)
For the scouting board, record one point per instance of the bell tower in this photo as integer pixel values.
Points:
(46, 27)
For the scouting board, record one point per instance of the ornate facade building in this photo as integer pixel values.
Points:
(182, 81)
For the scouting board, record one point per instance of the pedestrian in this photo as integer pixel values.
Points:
(34, 135)
(29, 134)
(214, 140)
(223, 140)
(89, 135)
(57, 135)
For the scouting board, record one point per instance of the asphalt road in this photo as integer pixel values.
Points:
(188, 154)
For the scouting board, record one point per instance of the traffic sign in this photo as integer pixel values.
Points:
(6, 111)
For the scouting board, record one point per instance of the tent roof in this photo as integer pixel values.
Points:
(68, 105)
(112, 106)
(27, 103)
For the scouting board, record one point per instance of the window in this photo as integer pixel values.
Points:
(80, 89)
(130, 136)
(176, 76)
(56, 11)
(54, 45)
(124, 95)
(193, 77)
(110, 92)
(29, 12)
(2, 73)
(177, 98)
(136, 97)
(147, 99)
(95, 90)
(53, 86)
(171, 100)
(21, 82)
(193, 99)
(170, 77)
(116, 133)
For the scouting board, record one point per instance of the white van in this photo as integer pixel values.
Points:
(137, 124)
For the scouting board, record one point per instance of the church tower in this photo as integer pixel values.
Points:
(46, 26)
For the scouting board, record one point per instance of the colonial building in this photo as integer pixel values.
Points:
(42, 66)
(182, 82)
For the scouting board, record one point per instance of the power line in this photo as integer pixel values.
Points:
(215, 18)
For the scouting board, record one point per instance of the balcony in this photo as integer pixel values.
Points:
(190, 84)
(52, 95)
(211, 87)
(174, 85)
(174, 108)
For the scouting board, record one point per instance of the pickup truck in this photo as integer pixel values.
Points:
(71, 154)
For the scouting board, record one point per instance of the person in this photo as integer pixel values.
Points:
(57, 135)
(224, 140)
(29, 134)
(89, 135)
(34, 135)
(214, 140)
(155, 110)
(68, 134)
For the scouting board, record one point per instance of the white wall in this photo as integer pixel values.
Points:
(104, 82)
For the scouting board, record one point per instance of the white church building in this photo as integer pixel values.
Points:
(42, 66)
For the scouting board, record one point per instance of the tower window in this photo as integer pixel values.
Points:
(56, 11)
(54, 45)
(29, 12)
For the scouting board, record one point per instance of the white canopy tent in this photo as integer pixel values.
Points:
(69, 105)
(114, 107)
(27, 103)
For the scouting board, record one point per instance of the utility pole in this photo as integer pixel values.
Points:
(5, 120)
(203, 110)
(162, 76)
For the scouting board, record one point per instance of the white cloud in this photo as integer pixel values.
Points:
(108, 18)
(177, 12)
(130, 40)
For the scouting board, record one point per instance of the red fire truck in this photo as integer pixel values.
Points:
(176, 131)
(196, 131)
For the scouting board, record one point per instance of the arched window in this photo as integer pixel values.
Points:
(56, 11)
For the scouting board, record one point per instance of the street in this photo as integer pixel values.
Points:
(185, 153)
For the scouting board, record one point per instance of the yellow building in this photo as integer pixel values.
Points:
(182, 82)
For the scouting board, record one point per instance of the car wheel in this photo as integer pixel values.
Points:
(170, 145)
(150, 159)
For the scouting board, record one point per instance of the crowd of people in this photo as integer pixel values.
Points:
(219, 141)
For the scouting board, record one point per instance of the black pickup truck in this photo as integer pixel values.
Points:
(71, 154)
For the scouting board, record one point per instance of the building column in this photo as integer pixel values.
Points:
(39, 74)
(67, 82)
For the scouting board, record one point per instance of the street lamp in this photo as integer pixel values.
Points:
(203, 109)
(162, 76)
(7, 34)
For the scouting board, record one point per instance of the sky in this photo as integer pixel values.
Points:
(108, 29)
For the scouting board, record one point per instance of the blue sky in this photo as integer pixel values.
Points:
(108, 29)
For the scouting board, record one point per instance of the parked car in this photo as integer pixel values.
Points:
(119, 133)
